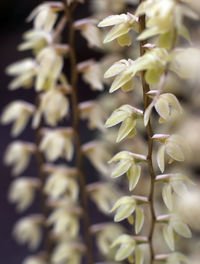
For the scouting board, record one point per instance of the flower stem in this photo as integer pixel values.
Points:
(41, 176)
(149, 131)
(77, 142)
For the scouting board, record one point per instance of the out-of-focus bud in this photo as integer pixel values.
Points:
(92, 74)
(104, 195)
(18, 112)
(18, 155)
(92, 111)
(98, 155)
(89, 31)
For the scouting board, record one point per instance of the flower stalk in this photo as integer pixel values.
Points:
(76, 129)
(146, 89)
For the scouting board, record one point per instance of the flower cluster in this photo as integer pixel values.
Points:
(163, 21)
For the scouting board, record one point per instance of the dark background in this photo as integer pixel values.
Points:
(12, 25)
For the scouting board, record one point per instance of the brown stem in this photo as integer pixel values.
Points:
(41, 176)
(77, 142)
(146, 88)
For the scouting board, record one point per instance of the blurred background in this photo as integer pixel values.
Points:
(12, 16)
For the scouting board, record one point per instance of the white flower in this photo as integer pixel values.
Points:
(93, 112)
(61, 182)
(18, 155)
(22, 192)
(57, 143)
(54, 106)
(68, 252)
(45, 15)
(106, 234)
(28, 231)
(89, 31)
(98, 155)
(122, 24)
(64, 221)
(18, 112)
(25, 71)
(50, 66)
(103, 195)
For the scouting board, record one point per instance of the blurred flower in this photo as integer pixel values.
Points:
(89, 31)
(25, 71)
(18, 112)
(61, 182)
(18, 155)
(68, 252)
(57, 143)
(92, 111)
(54, 106)
(45, 15)
(92, 74)
(103, 195)
(22, 192)
(50, 66)
(64, 220)
(28, 231)
(98, 156)
(105, 236)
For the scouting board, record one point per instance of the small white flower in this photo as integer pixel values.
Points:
(22, 192)
(28, 231)
(18, 112)
(64, 221)
(54, 106)
(68, 252)
(50, 66)
(57, 143)
(61, 182)
(25, 71)
(45, 15)
(18, 155)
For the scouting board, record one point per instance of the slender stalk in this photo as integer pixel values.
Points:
(77, 142)
(149, 131)
(41, 176)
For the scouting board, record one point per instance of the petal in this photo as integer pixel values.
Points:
(169, 236)
(133, 175)
(161, 158)
(139, 219)
(167, 196)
